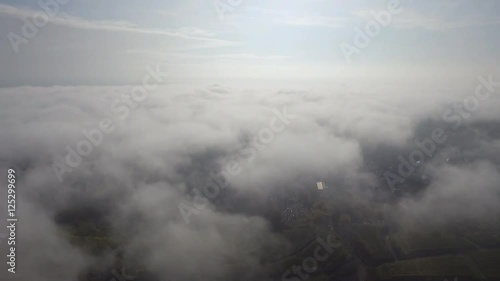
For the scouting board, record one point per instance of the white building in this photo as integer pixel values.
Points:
(321, 185)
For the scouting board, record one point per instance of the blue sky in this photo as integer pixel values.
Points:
(111, 42)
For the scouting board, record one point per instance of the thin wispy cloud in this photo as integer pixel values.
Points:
(187, 33)
(414, 19)
(215, 57)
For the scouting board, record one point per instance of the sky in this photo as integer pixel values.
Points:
(112, 42)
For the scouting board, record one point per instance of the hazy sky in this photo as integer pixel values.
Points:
(111, 42)
(167, 143)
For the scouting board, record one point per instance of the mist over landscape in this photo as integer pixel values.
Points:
(184, 140)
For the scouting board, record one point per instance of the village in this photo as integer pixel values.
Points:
(376, 246)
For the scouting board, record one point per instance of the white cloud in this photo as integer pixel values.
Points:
(172, 141)
(187, 33)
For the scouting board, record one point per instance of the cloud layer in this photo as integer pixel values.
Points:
(169, 144)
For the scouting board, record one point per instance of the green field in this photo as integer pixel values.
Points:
(93, 244)
(418, 244)
(484, 239)
(426, 267)
(489, 263)
(373, 240)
